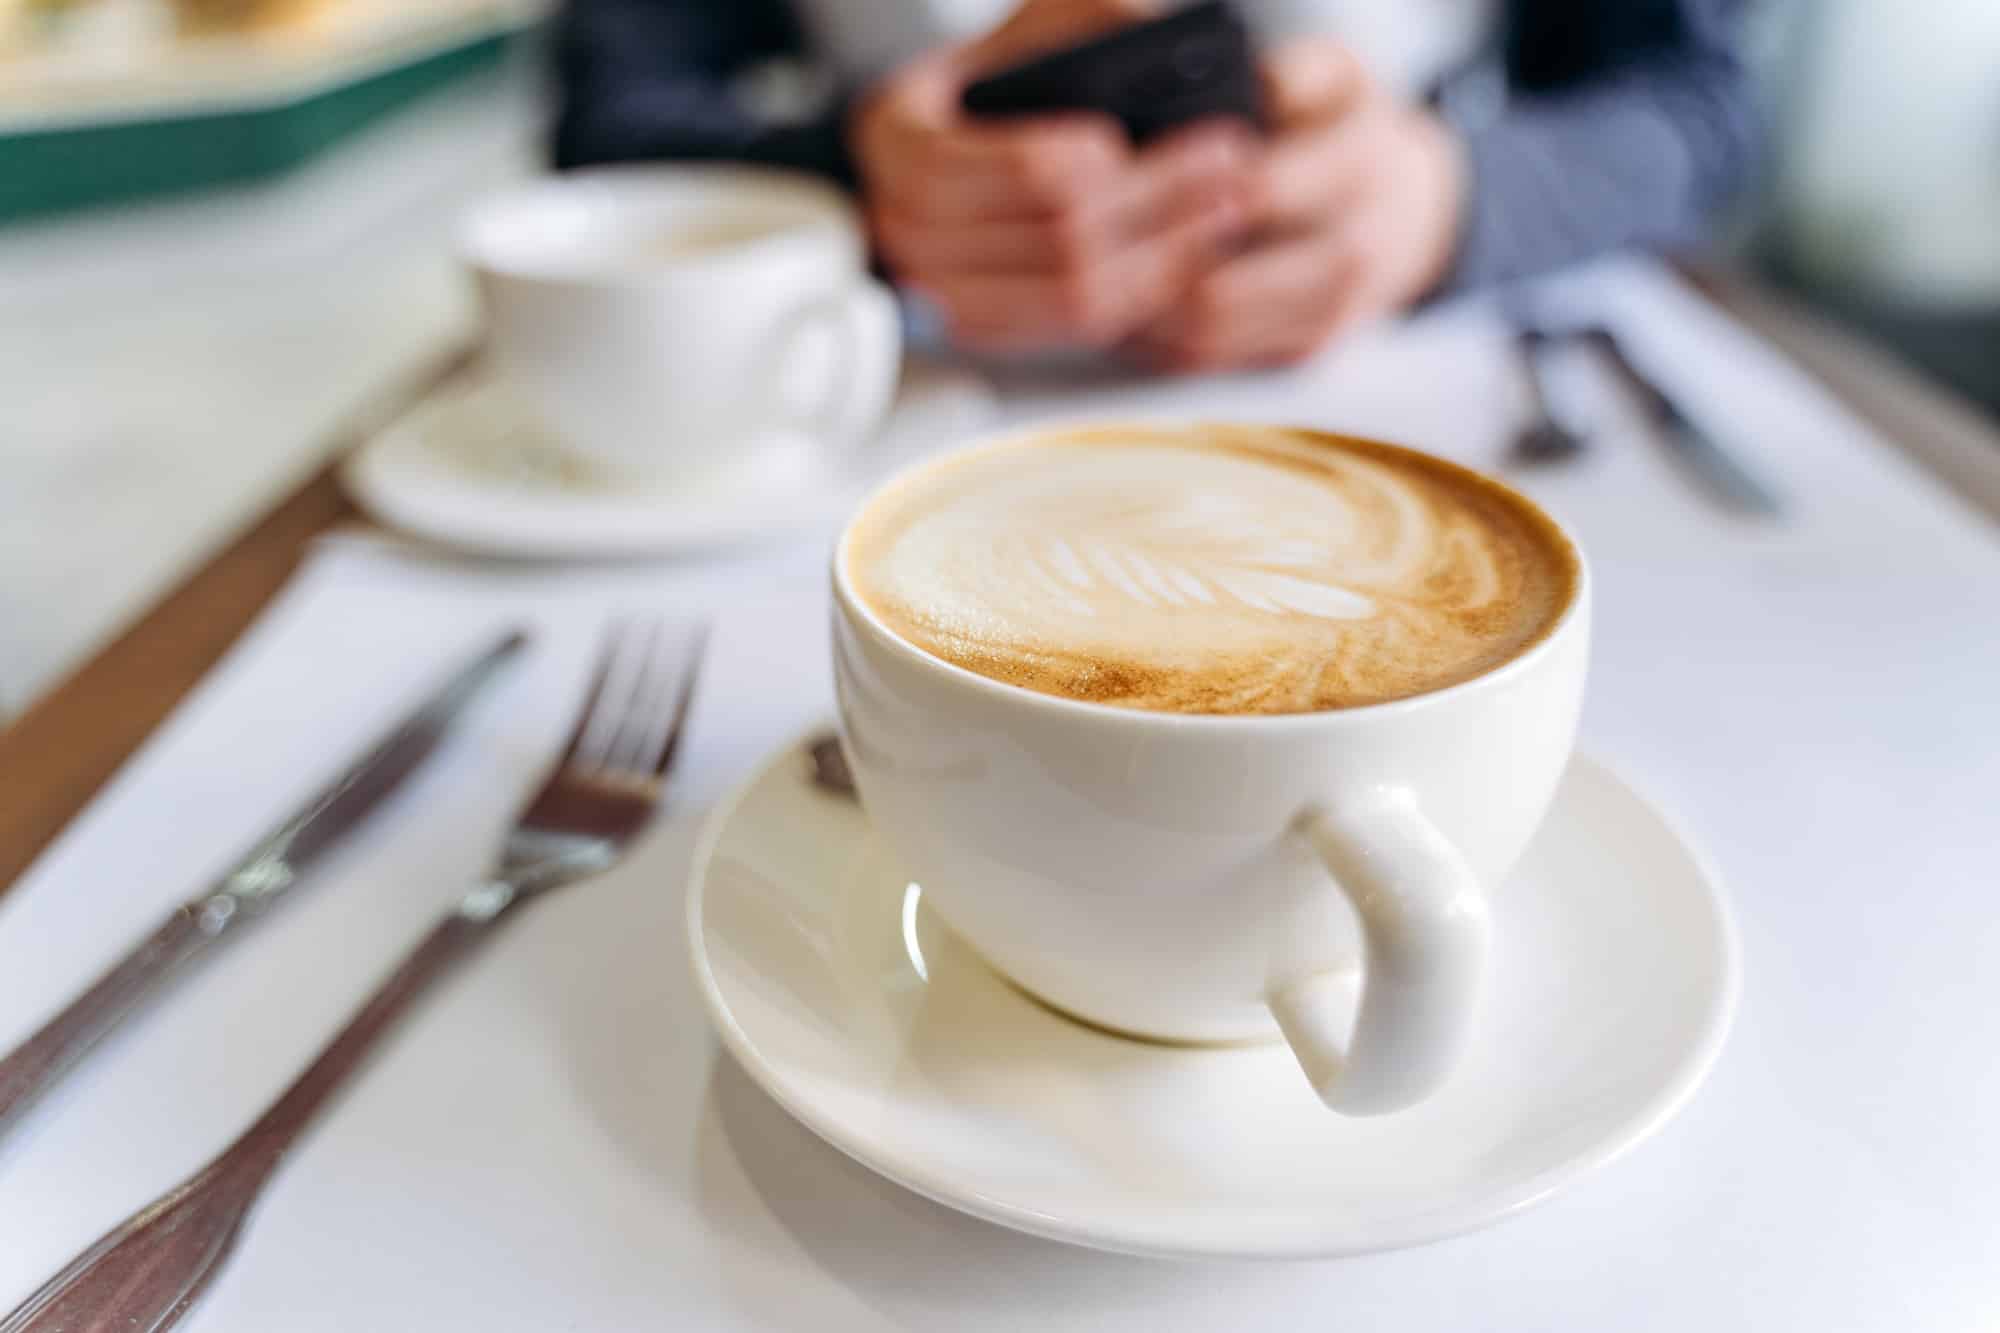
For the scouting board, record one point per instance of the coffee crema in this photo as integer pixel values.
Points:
(1211, 568)
(697, 237)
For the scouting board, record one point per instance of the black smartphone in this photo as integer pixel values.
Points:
(1151, 77)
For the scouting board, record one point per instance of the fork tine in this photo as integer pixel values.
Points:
(587, 716)
(664, 730)
(639, 700)
(611, 711)
(640, 705)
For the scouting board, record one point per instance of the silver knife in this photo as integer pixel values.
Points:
(259, 879)
(1721, 474)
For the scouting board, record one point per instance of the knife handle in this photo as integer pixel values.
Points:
(1719, 471)
(31, 1068)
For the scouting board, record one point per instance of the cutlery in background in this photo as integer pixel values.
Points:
(830, 771)
(1720, 474)
(1541, 438)
(270, 868)
(148, 1272)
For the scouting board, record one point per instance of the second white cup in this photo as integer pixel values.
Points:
(686, 322)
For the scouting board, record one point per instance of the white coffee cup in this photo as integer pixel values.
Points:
(686, 321)
(1327, 877)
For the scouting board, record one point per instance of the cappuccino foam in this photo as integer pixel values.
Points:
(1211, 569)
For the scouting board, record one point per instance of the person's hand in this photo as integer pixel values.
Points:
(1358, 210)
(1044, 231)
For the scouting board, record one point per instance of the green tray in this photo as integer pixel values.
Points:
(45, 170)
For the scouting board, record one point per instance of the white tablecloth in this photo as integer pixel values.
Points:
(556, 1143)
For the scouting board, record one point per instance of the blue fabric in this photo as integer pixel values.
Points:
(1624, 122)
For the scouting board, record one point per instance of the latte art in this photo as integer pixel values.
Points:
(1210, 569)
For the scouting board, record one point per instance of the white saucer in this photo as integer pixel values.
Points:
(470, 468)
(862, 1015)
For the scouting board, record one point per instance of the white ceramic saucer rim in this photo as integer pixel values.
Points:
(399, 474)
(1174, 1241)
(671, 525)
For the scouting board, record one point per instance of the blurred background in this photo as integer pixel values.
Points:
(224, 223)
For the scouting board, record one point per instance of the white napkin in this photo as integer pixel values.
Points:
(484, 1171)
(554, 1141)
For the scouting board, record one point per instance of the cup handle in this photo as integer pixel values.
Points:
(863, 327)
(1425, 939)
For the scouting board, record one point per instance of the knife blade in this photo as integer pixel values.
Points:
(1720, 473)
(259, 878)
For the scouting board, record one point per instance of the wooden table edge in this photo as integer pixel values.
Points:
(68, 743)
(57, 755)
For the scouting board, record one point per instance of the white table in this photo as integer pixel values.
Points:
(557, 1143)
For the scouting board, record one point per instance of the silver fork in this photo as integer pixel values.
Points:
(147, 1273)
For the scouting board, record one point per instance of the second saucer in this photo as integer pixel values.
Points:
(470, 468)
